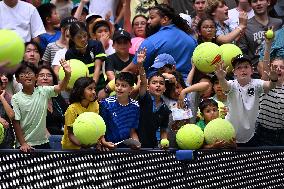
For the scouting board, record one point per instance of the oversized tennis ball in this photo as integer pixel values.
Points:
(228, 52)
(78, 69)
(219, 129)
(190, 137)
(269, 34)
(165, 143)
(221, 105)
(12, 48)
(206, 56)
(2, 134)
(89, 127)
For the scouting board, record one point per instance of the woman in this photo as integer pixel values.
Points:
(56, 106)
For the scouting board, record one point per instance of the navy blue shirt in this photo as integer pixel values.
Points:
(119, 119)
(171, 40)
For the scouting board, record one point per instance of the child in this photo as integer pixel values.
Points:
(243, 97)
(206, 30)
(120, 112)
(209, 111)
(154, 113)
(61, 43)
(50, 21)
(30, 106)
(89, 51)
(121, 58)
(82, 99)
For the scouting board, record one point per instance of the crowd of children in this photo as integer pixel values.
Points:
(142, 80)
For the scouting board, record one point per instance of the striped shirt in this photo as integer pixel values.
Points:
(271, 111)
(50, 52)
(119, 119)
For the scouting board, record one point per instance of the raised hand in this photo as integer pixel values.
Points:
(141, 56)
(220, 72)
(66, 67)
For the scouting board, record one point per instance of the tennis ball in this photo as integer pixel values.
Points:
(269, 34)
(165, 143)
(12, 48)
(220, 108)
(78, 69)
(206, 56)
(219, 129)
(89, 127)
(228, 52)
(190, 137)
(1, 133)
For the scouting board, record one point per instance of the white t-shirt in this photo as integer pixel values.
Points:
(233, 15)
(60, 54)
(23, 19)
(243, 104)
(102, 7)
(110, 50)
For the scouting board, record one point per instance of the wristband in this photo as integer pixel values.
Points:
(107, 90)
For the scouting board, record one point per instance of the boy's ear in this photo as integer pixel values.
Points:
(47, 19)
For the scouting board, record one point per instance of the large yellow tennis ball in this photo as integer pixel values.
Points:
(221, 106)
(228, 52)
(12, 48)
(269, 34)
(88, 128)
(219, 129)
(190, 137)
(2, 134)
(206, 56)
(78, 69)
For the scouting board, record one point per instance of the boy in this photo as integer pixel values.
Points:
(50, 20)
(30, 107)
(120, 112)
(243, 97)
(154, 114)
(61, 43)
(121, 58)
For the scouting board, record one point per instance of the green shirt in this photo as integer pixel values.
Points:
(201, 124)
(31, 111)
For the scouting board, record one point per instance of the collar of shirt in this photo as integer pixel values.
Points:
(155, 107)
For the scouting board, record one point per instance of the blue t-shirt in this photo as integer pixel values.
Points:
(171, 40)
(119, 119)
(46, 38)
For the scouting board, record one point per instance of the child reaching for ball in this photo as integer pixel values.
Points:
(209, 111)
(30, 106)
(82, 99)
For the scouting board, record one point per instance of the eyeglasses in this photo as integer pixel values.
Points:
(29, 74)
(45, 75)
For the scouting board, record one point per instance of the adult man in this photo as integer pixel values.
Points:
(21, 17)
(171, 35)
(251, 42)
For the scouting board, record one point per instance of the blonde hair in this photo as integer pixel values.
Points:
(212, 5)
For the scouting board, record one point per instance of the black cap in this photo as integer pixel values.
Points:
(121, 34)
(100, 22)
(240, 59)
(67, 21)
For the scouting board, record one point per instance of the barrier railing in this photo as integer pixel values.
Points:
(123, 168)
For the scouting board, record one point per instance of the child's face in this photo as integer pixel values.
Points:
(208, 30)
(279, 66)
(4, 81)
(27, 78)
(101, 32)
(90, 92)
(218, 89)
(210, 113)
(122, 89)
(122, 45)
(44, 78)
(157, 86)
(32, 54)
(176, 91)
(54, 19)
(221, 13)
(81, 39)
(243, 71)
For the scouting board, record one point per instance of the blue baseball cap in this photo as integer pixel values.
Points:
(162, 60)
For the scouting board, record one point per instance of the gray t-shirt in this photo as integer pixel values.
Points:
(251, 42)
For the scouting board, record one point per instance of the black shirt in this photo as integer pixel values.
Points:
(150, 121)
(115, 64)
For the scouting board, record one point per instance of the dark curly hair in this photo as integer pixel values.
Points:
(77, 92)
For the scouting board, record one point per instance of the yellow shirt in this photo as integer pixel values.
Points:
(72, 112)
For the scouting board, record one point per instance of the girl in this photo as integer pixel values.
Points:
(89, 51)
(56, 105)
(209, 111)
(82, 99)
(206, 30)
